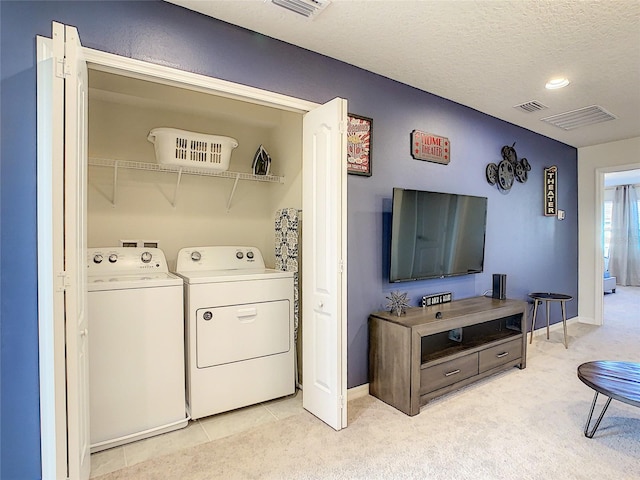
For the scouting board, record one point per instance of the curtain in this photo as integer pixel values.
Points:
(624, 251)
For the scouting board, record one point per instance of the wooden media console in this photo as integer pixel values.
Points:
(430, 351)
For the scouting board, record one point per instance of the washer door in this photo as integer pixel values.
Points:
(241, 332)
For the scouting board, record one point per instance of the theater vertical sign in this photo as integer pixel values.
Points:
(551, 191)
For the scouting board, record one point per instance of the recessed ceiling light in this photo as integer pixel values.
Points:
(556, 83)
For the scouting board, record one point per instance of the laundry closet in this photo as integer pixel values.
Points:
(100, 184)
(172, 193)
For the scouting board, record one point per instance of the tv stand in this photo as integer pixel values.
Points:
(431, 351)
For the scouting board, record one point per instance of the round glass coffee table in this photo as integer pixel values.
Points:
(547, 297)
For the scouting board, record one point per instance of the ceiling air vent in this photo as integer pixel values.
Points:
(579, 118)
(532, 106)
(306, 8)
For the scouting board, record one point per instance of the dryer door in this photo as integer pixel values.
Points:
(241, 332)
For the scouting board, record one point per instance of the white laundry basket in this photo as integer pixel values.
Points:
(191, 149)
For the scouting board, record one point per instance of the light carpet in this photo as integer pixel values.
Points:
(520, 424)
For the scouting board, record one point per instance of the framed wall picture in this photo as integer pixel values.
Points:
(359, 131)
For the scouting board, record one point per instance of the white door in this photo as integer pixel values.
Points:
(75, 235)
(324, 276)
(51, 297)
(62, 285)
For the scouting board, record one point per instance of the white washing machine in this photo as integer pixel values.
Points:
(239, 329)
(136, 346)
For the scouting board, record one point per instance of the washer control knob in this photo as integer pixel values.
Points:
(113, 258)
(97, 258)
(250, 255)
(239, 255)
(196, 256)
(146, 257)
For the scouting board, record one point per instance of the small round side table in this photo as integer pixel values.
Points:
(538, 298)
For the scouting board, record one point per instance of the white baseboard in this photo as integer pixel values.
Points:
(357, 392)
(587, 320)
(556, 326)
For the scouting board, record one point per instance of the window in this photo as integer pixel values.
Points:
(606, 224)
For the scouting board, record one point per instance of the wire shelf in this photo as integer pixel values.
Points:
(155, 167)
(179, 171)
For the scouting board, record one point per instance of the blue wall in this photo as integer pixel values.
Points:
(536, 253)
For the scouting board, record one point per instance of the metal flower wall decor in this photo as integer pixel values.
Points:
(509, 169)
(398, 302)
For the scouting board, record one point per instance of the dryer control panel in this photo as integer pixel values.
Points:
(194, 259)
(125, 261)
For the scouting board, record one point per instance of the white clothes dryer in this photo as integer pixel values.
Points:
(239, 329)
(136, 346)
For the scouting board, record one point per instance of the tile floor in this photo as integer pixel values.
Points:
(196, 432)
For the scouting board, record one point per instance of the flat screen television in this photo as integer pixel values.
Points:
(436, 235)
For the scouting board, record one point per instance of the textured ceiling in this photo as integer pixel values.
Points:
(490, 55)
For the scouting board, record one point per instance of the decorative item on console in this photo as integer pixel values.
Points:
(509, 169)
(430, 147)
(456, 335)
(398, 303)
(499, 286)
(359, 132)
(436, 299)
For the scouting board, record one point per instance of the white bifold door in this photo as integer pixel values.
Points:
(324, 276)
(62, 291)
